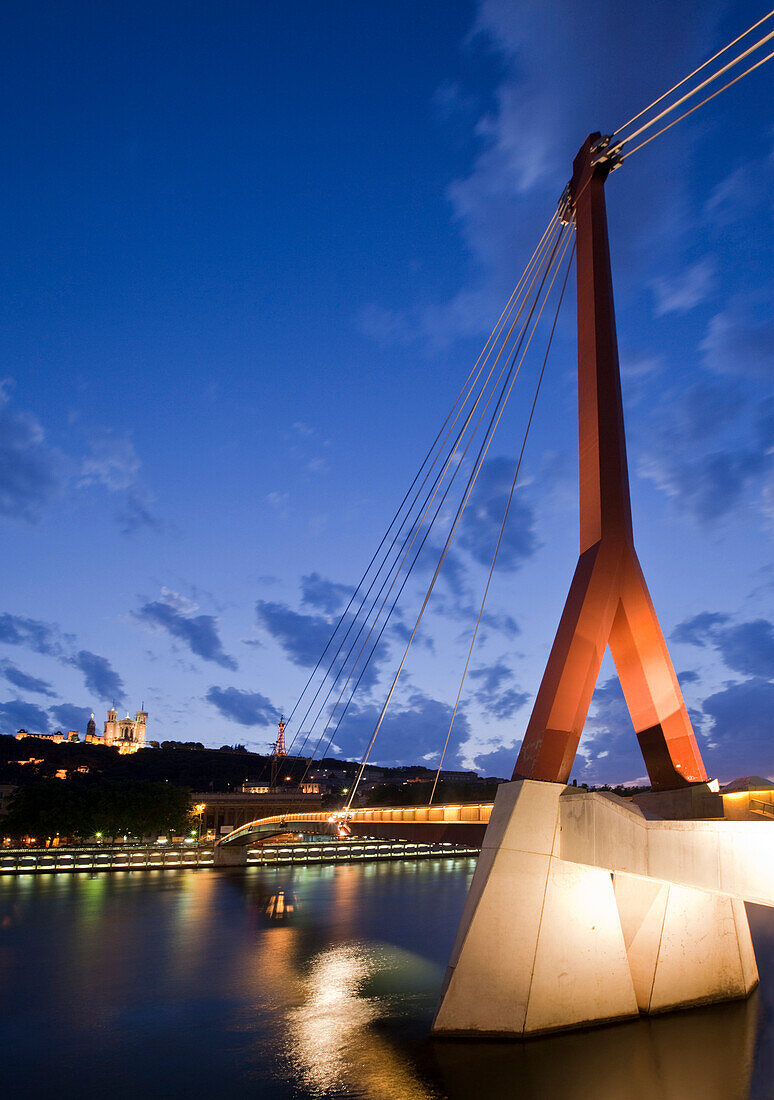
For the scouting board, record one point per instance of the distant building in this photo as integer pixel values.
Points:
(57, 737)
(219, 813)
(265, 788)
(125, 734)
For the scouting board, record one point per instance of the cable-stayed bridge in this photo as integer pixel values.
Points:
(584, 908)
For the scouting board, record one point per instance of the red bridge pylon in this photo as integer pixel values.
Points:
(608, 603)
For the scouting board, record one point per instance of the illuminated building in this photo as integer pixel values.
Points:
(57, 737)
(125, 734)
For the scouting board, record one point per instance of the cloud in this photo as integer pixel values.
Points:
(739, 343)
(711, 447)
(747, 647)
(490, 678)
(422, 640)
(484, 515)
(135, 514)
(302, 637)
(528, 133)
(25, 682)
(507, 703)
(699, 629)
(410, 728)
(28, 467)
(740, 735)
(325, 595)
(681, 293)
(505, 624)
(31, 633)
(499, 762)
(46, 638)
(198, 632)
(688, 676)
(113, 464)
(492, 696)
(710, 486)
(739, 190)
(69, 717)
(16, 715)
(247, 708)
(609, 750)
(99, 676)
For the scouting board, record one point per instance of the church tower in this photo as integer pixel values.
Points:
(140, 718)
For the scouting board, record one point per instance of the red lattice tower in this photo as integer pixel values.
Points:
(279, 745)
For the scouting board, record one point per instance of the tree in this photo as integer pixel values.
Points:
(82, 806)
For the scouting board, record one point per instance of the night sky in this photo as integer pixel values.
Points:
(250, 252)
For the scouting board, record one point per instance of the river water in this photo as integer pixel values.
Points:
(202, 984)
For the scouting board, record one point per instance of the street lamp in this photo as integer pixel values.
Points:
(197, 811)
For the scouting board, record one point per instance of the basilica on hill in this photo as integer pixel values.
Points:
(125, 734)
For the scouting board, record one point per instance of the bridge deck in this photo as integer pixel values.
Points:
(464, 824)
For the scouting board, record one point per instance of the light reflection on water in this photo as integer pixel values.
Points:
(182, 983)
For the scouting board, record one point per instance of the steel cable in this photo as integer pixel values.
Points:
(417, 525)
(504, 521)
(496, 415)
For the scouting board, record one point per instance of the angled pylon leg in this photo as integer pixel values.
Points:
(608, 601)
(650, 686)
(562, 703)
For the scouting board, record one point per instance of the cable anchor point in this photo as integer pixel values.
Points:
(604, 152)
(607, 152)
(566, 207)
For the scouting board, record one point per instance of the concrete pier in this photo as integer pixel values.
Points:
(582, 911)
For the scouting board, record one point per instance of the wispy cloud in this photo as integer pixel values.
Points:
(28, 466)
(25, 682)
(99, 675)
(16, 715)
(33, 634)
(70, 717)
(198, 632)
(246, 708)
(682, 292)
(113, 464)
(326, 595)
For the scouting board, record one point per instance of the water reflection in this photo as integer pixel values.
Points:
(705, 1054)
(192, 982)
(280, 906)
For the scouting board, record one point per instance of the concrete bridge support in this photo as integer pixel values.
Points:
(548, 942)
(230, 855)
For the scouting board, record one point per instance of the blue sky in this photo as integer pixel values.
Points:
(250, 254)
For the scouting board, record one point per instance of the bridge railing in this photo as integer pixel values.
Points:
(479, 812)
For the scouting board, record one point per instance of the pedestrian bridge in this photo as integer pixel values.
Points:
(463, 825)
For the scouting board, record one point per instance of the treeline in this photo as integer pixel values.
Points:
(224, 769)
(418, 794)
(81, 807)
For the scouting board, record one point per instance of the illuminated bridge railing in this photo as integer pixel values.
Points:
(349, 851)
(20, 861)
(17, 861)
(478, 813)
